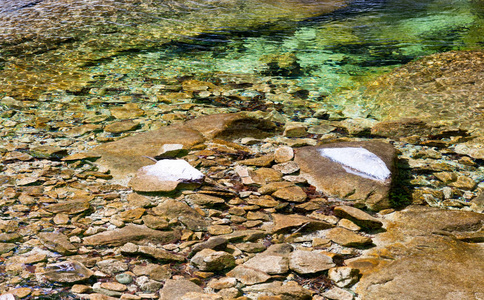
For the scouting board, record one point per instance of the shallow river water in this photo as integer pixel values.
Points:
(321, 46)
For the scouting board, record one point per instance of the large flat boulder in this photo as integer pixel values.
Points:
(125, 156)
(426, 253)
(357, 171)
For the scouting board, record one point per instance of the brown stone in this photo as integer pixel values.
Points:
(348, 238)
(122, 126)
(175, 289)
(131, 233)
(332, 179)
(248, 276)
(57, 242)
(358, 216)
(125, 156)
(132, 214)
(291, 194)
(422, 243)
(287, 222)
(261, 161)
(69, 207)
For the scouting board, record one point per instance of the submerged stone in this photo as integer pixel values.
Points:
(67, 272)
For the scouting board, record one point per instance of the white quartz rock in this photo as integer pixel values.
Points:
(172, 170)
(358, 161)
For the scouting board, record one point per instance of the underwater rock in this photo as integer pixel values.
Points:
(357, 171)
(165, 175)
(67, 271)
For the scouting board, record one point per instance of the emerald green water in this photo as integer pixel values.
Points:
(81, 46)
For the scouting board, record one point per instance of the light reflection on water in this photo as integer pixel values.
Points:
(321, 46)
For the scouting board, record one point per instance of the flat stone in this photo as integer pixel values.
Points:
(155, 222)
(264, 175)
(69, 207)
(172, 209)
(67, 272)
(125, 156)
(205, 200)
(366, 180)
(48, 152)
(271, 187)
(287, 167)
(348, 238)
(7, 247)
(160, 255)
(261, 161)
(132, 214)
(112, 266)
(122, 126)
(464, 182)
(211, 260)
(175, 289)
(219, 229)
(214, 243)
(153, 271)
(423, 243)
(291, 194)
(248, 276)
(57, 242)
(284, 223)
(131, 233)
(283, 154)
(127, 111)
(358, 217)
(309, 262)
(270, 264)
(277, 290)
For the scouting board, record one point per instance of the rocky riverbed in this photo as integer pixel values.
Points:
(279, 212)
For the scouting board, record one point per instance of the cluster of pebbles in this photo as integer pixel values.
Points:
(252, 228)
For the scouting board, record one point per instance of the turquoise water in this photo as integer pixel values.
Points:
(299, 44)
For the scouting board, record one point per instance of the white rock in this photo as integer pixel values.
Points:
(173, 170)
(358, 161)
(8, 296)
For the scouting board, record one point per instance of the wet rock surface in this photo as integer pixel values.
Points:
(256, 225)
